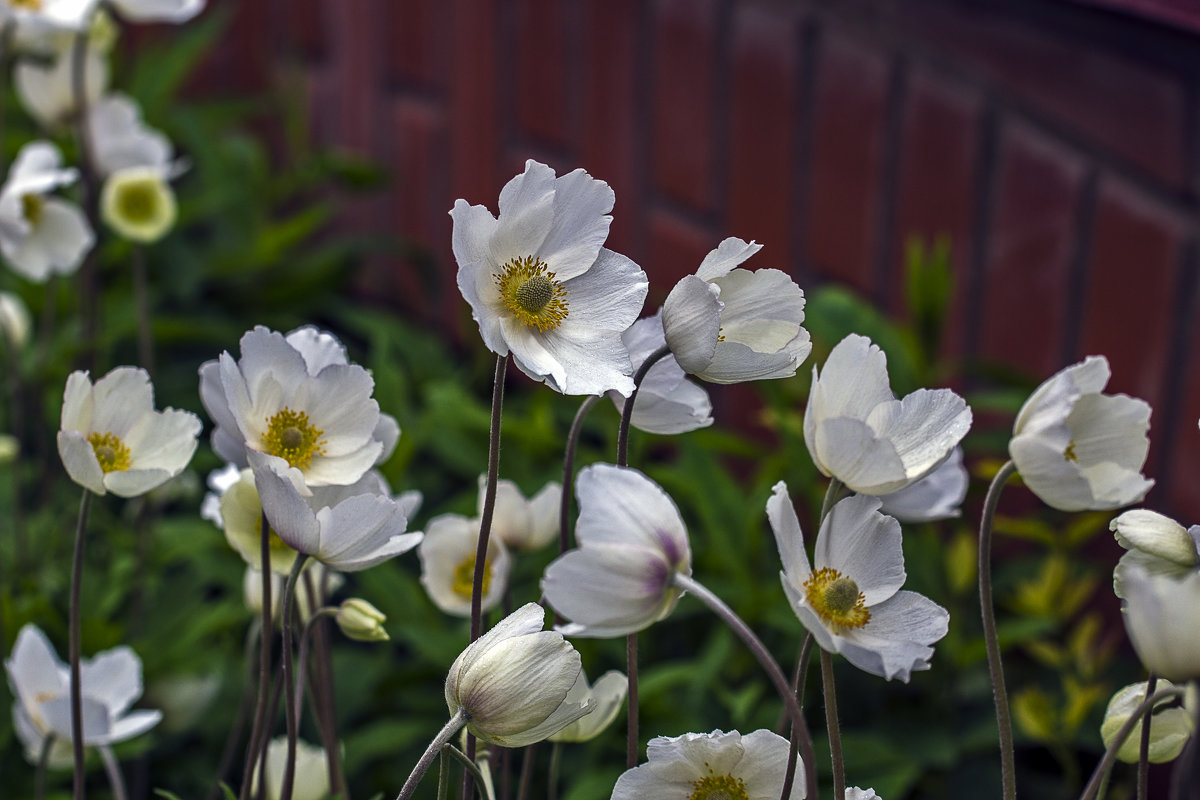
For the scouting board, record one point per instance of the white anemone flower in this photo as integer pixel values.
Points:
(112, 439)
(41, 235)
(110, 683)
(1170, 726)
(938, 495)
(858, 432)
(175, 11)
(512, 682)
(47, 89)
(850, 598)
(1156, 543)
(632, 541)
(1078, 449)
(311, 778)
(1162, 615)
(728, 325)
(447, 556)
(299, 404)
(541, 286)
(520, 523)
(336, 525)
(712, 765)
(667, 402)
(607, 696)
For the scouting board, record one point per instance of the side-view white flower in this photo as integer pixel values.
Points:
(512, 682)
(523, 524)
(858, 432)
(110, 682)
(1077, 448)
(850, 598)
(728, 325)
(1156, 543)
(541, 285)
(1169, 731)
(448, 564)
(667, 402)
(936, 496)
(712, 765)
(607, 696)
(1161, 615)
(111, 438)
(632, 540)
(41, 235)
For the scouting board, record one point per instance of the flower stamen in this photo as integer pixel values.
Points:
(293, 438)
(111, 452)
(532, 294)
(836, 599)
(464, 577)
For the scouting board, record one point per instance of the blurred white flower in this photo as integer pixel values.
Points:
(448, 564)
(15, 322)
(48, 15)
(728, 325)
(121, 140)
(851, 602)
(311, 780)
(523, 524)
(855, 793)
(712, 765)
(541, 285)
(1162, 615)
(41, 235)
(112, 439)
(219, 481)
(1170, 726)
(606, 697)
(110, 682)
(138, 204)
(858, 432)
(46, 88)
(1157, 544)
(513, 681)
(361, 621)
(667, 402)
(158, 10)
(1079, 449)
(936, 496)
(632, 541)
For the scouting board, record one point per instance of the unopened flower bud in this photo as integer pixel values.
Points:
(360, 620)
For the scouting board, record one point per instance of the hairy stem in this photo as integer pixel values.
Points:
(627, 410)
(76, 646)
(987, 609)
(435, 747)
(257, 737)
(833, 726)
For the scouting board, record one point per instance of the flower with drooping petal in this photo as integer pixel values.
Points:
(158, 10)
(311, 780)
(712, 765)
(606, 695)
(631, 540)
(936, 496)
(112, 439)
(1077, 448)
(138, 203)
(728, 325)
(858, 432)
(1156, 543)
(1162, 615)
(290, 399)
(46, 89)
(523, 524)
(667, 402)
(850, 598)
(110, 683)
(541, 285)
(41, 235)
(1170, 728)
(448, 564)
(513, 681)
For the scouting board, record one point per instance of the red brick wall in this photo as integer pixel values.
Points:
(1054, 142)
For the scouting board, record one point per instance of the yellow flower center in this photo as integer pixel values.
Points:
(718, 787)
(532, 294)
(31, 208)
(1069, 453)
(464, 577)
(836, 599)
(111, 452)
(293, 438)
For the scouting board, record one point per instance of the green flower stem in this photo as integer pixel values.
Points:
(470, 766)
(526, 780)
(798, 681)
(832, 725)
(786, 693)
(1187, 766)
(987, 609)
(322, 687)
(302, 659)
(257, 733)
(564, 507)
(141, 287)
(39, 777)
(16, 411)
(291, 712)
(443, 792)
(627, 411)
(76, 647)
(1143, 773)
(435, 747)
(1100, 774)
(239, 721)
(89, 277)
(113, 770)
(555, 766)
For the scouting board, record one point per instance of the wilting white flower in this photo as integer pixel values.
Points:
(311, 780)
(936, 496)
(513, 681)
(1170, 725)
(851, 602)
(541, 285)
(349, 532)
(667, 402)
(41, 235)
(112, 439)
(523, 524)
(632, 541)
(1156, 543)
(14, 320)
(138, 203)
(712, 765)
(1079, 449)
(728, 325)
(1162, 615)
(606, 696)
(448, 564)
(110, 682)
(858, 432)
(46, 89)
(299, 404)
(158, 10)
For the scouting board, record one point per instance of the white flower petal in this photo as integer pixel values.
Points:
(728, 254)
(864, 545)
(936, 496)
(691, 318)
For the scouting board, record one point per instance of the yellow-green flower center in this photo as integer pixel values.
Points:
(836, 599)
(464, 577)
(137, 201)
(111, 452)
(718, 787)
(531, 293)
(293, 438)
(31, 208)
